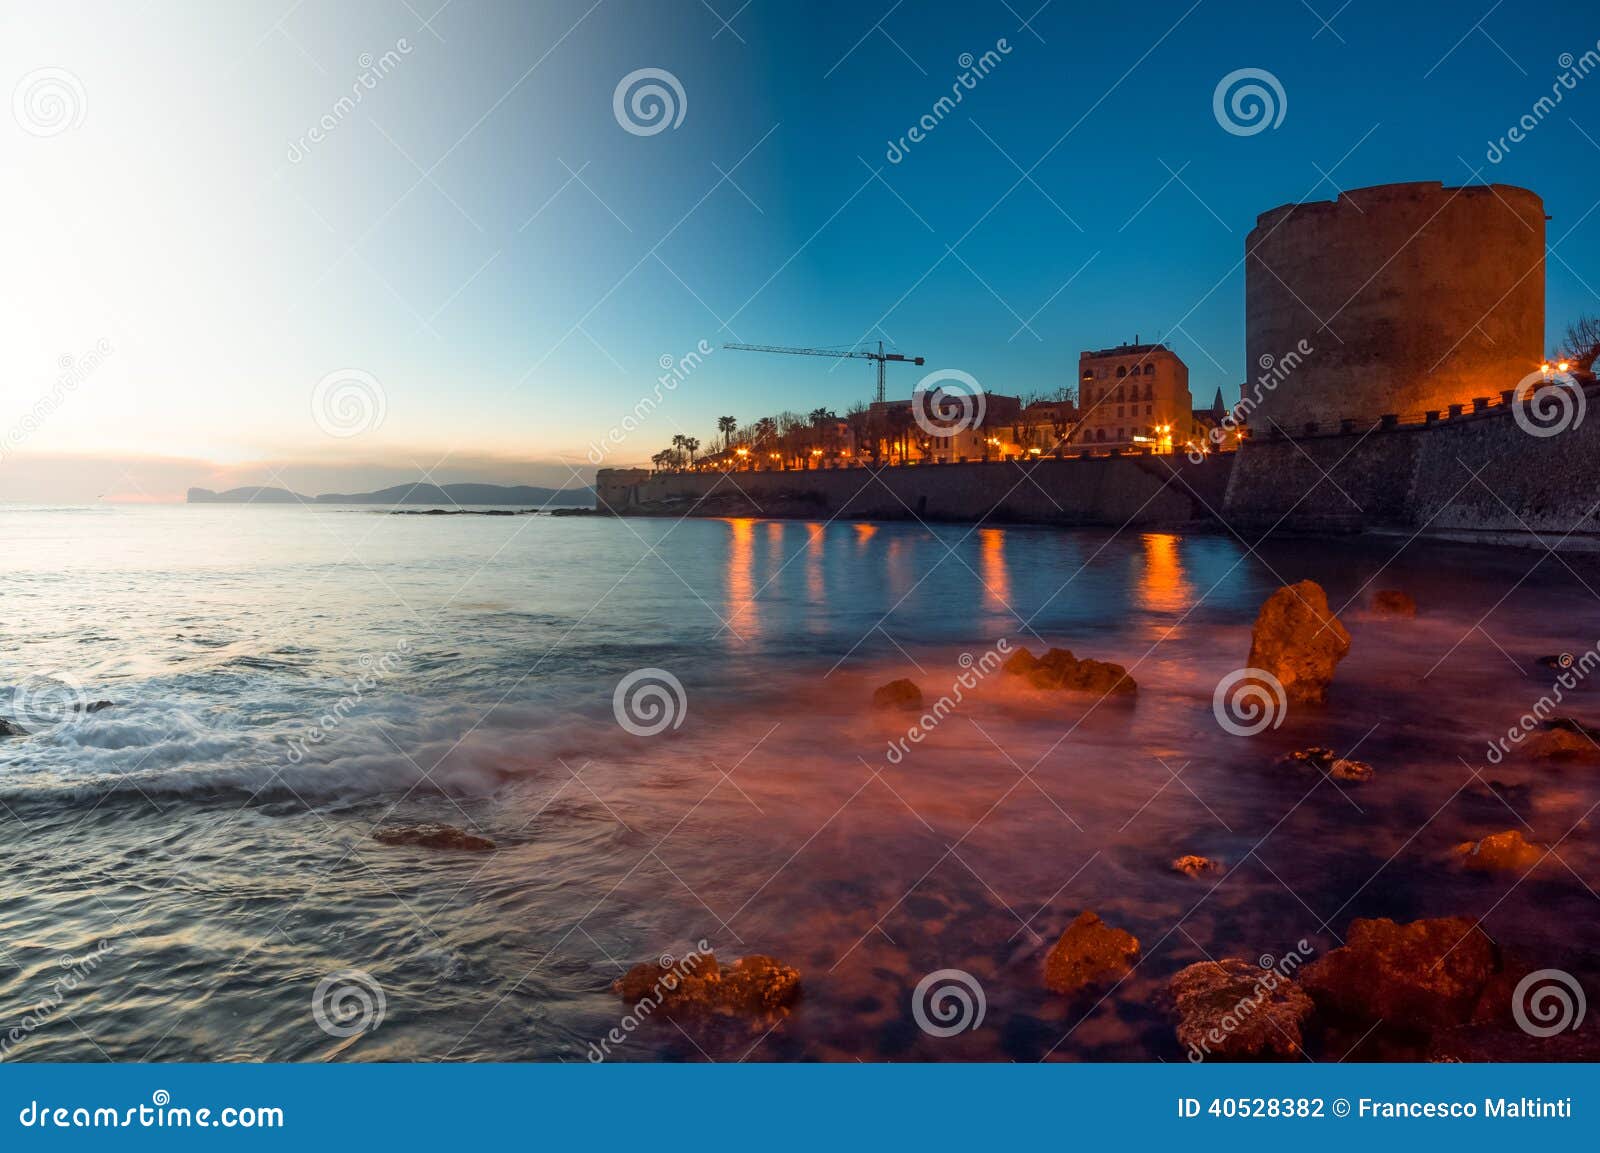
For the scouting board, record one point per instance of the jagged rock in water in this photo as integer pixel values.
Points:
(1393, 603)
(1194, 865)
(1562, 739)
(753, 986)
(900, 694)
(1421, 975)
(1325, 760)
(1090, 952)
(1298, 640)
(1059, 670)
(7, 729)
(429, 835)
(1509, 851)
(1237, 1010)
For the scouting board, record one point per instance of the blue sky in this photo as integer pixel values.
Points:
(482, 238)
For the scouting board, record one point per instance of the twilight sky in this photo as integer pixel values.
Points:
(481, 243)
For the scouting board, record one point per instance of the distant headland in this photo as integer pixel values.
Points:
(463, 494)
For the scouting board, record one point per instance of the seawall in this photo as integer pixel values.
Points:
(1475, 476)
(1145, 490)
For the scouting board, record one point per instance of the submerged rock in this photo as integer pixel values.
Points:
(1509, 851)
(1090, 952)
(1059, 670)
(1325, 760)
(753, 986)
(1393, 603)
(429, 835)
(1194, 865)
(1298, 640)
(1237, 1010)
(1422, 975)
(900, 694)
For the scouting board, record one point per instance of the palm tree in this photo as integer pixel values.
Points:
(691, 445)
(726, 425)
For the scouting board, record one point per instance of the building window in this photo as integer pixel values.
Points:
(1148, 408)
(1121, 371)
(1149, 370)
(1148, 391)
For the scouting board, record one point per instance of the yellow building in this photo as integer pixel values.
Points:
(1134, 395)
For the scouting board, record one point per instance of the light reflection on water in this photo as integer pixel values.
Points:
(772, 821)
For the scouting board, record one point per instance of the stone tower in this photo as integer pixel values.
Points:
(1398, 298)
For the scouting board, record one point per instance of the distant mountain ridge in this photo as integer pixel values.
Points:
(447, 494)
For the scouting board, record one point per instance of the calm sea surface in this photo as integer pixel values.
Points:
(199, 855)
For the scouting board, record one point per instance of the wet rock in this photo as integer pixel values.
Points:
(1060, 670)
(7, 729)
(1509, 851)
(1422, 975)
(900, 694)
(1237, 1010)
(1298, 640)
(1090, 952)
(429, 835)
(1325, 760)
(1562, 739)
(753, 986)
(1393, 603)
(1556, 661)
(1193, 865)
(96, 706)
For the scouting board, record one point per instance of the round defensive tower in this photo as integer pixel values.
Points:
(1409, 297)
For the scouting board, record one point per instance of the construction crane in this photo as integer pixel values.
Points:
(880, 357)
